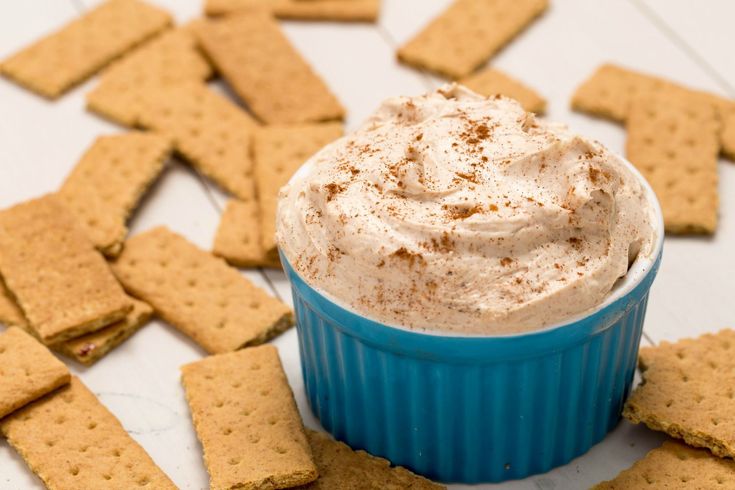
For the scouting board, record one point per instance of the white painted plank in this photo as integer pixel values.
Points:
(704, 28)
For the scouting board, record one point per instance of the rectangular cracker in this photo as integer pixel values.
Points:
(675, 465)
(674, 144)
(688, 391)
(88, 348)
(199, 293)
(489, 82)
(467, 34)
(727, 136)
(109, 181)
(169, 58)
(611, 90)
(70, 440)
(246, 418)
(57, 62)
(238, 236)
(62, 284)
(209, 131)
(27, 370)
(92, 347)
(341, 467)
(334, 10)
(278, 152)
(265, 70)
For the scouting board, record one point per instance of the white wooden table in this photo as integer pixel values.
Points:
(40, 141)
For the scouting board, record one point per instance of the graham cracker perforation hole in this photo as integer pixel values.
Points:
(74, 471)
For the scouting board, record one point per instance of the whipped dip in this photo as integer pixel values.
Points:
(457, 213)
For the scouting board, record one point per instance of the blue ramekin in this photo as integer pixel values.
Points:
(473, 408)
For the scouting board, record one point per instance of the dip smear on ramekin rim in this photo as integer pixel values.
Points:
(457, 213)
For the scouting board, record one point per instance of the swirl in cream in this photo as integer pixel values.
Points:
(457, 213)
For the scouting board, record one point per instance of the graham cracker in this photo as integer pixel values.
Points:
(209, 131)
(62, 284)
(265, 70)
(335, 10)
(92, 347)
(467, 34)
(611, 90)
(489, 82)
(27, 370)
(675, 466)
(109, 181)
(341, 467)
(82, 47)
(727, 136)
(10, 313)
(199, 293)
(246, 418)
(674, 144)
(70, 440)
(688, 391)
(278, 152)
(169, 58)
(238, 236)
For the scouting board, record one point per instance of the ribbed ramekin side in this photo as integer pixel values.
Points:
(468, 422)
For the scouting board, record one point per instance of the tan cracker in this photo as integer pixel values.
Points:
(688, 391)
(336, 10)
(675, 466)
(62, 284)
(489, 82)
(27, 370)
(70, 440)
(674, 144)
(238, 236)
(57, 62)
(198, 293)
(246, 419)
(92, 347)
(341, 467)
(278, 152)
(266, 71)
(611, 90)
(109, 181)
(167, 59)
(209, 131)
(468, 33)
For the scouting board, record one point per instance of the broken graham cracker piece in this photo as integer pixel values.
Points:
(467, 34)
(335, 10)
(109, 181)
(238, 238)
(169, 58)
(92, 347)
(246, 418)
(70, 440)
(688, 391)
(27, 370)
(278, 152)
(490, 82)
(209, 131)
(62, 284)
(341, 467)
(199, 293)
(67, 57)
(265, 70)
(675, 465)
(674, 144)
